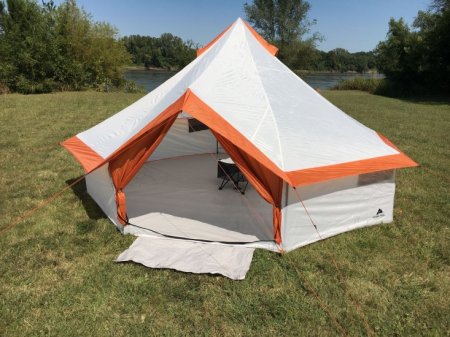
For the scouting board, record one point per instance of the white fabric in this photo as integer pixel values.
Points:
(281, 115)
(187, 256)
(227, 161)
(336, 206)
(180, 142)
(101, 188)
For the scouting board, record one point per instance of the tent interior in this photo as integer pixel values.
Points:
(176, 192)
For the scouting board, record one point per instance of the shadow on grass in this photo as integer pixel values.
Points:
(427, 100)
(93, 211)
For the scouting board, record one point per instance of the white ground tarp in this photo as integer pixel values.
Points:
(190, 256)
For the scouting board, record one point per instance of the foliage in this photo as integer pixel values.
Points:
(341, 60)
(58, 277)
(417, 59)
(284, 23)
(371, 85)
(167, 51)
(46, 47)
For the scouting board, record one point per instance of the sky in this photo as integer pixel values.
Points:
(356, 25)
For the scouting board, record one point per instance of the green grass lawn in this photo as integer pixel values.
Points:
(58, 278)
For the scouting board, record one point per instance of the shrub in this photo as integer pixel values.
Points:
(371, 85)
(47, 47)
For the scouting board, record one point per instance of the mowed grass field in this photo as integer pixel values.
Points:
(58, 278)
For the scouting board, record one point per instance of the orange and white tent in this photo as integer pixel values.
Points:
(313, 171)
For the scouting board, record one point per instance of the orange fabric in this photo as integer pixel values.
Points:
(318, 174)
(126, 161)
(198, 109)
(269, 47)
(125, 166)
(268, 185)
(205, 48)
(87, 157)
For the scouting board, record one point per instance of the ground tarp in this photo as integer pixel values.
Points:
(190, 256)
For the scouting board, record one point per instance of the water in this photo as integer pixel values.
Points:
(151, 79)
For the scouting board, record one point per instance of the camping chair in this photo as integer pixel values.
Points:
(228, 171)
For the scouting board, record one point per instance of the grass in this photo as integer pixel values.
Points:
(58, 278)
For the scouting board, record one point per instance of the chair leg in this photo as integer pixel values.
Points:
(225, 181)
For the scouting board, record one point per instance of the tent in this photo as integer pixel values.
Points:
(313, 171)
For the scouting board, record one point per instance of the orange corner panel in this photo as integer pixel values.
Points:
(269, 47)
(273, 50)
(87, 157)
(318, 174)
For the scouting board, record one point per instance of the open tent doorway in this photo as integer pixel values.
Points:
(176, 193)
(180, 197)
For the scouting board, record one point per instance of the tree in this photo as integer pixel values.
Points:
(47, 47)
(417, 59)
(284, 23)
(167, 51)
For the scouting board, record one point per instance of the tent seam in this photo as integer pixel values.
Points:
(268, 104)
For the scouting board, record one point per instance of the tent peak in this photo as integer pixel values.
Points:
(273, 50)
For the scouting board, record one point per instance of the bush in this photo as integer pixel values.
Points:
(384, 87)
(45, 47)
(371, 85)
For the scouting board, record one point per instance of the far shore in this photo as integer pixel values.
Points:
(303, 72)
(141, 68)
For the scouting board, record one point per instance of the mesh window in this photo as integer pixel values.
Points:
(195, 125)
(375, 177)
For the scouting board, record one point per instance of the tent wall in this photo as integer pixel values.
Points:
(180, 142)
(336, 206)
(100, 187)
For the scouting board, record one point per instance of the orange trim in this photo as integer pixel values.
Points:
(87, 157)
(273, 50)
(269, 47)
(315, 175)
(388, 142)
(198, 109)
(209, 45)
(125, 166)
(268, 185)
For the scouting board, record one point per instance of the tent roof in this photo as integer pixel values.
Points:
(286, 122)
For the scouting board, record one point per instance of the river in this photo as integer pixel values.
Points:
(151, 79)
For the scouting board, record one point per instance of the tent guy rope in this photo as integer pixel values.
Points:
(354, 301)
(42, 204)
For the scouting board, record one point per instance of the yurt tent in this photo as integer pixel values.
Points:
(312, 170)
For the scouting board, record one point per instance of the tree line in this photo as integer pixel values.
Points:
(415, 59)
(45, 47)
(167, 51)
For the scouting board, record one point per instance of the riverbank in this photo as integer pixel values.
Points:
(57, 267)
(150, 79)
(299, 72)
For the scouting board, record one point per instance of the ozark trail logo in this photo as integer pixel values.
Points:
(379, 213)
